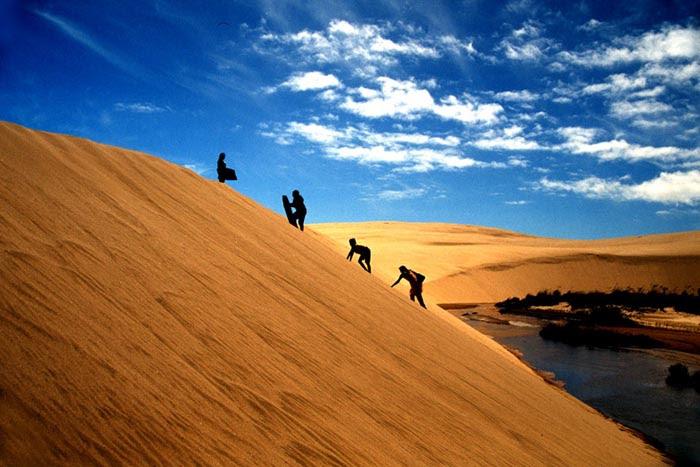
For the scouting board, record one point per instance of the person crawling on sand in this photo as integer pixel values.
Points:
(416, 280)
(363, 251)
(299, 208)
(223, 172)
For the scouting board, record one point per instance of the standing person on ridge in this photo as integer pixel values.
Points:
(363, 251)
(223, 172)
(416, 280)
(299, 208)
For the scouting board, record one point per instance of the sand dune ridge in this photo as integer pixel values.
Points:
(149, 316)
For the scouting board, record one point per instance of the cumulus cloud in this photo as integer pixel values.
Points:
(616, 84)
(630, 109)
(406, 152)
(314, 132)
(581, 141)
(404, 99)
(393, 99)
(671, 42)
(666, 188)
(366, 48)
(311, 81)
(673, 73)
(508, 139)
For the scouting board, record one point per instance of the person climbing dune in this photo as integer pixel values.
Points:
(223, 172)
(363, 251)
(416, 280)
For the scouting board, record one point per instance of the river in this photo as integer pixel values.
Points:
(627, 386)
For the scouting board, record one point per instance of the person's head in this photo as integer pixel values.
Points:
(403, 269)
(352, 242)
(222, 156)
(295, 193)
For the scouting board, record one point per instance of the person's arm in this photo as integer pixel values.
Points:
(397, 280)
(352, 252)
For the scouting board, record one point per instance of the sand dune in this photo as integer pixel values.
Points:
(469, 264)
(150, 316)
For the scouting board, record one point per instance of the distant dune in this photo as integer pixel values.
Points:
(469, 264)
(150, 316)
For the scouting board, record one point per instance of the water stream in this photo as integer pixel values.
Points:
(627, 386)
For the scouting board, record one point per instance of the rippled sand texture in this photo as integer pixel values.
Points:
(148, 315)
(471, 264)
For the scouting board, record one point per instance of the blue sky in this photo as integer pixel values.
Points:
(566, 119)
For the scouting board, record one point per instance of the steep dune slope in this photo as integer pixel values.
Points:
(150, 316)
(470, 264)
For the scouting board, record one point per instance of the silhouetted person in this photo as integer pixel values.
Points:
(416, 280)
(299, 209)
(224, 172)
(363, 251)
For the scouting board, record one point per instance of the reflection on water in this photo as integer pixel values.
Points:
(625, 385)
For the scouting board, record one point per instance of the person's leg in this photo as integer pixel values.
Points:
(363, 262)
(412, 294)
(300, 220)
(368, 258)
(419, 296)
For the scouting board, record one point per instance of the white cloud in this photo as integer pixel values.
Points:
(672, 73)
(398, 195)
(616, 84)
(407, 152)
(404, 99)
(666, 188)
(656, 91)
(591, 25)
(456, 46)
(672, 42)
(658, 123)
(517, 161)
(330, 95)
(517, 96)
(394, 99)
(451, 108)
(526, 51)
(410, 138)
(525, 43)
(580, 141)
(518, 202)
(509, 139)
(315, 132)
(630, 109)
(138, 107)
(312, 80)
(366, 48)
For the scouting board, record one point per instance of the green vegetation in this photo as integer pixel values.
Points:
(657, 298)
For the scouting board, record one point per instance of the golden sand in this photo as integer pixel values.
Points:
(148, 316)
(471, 264)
